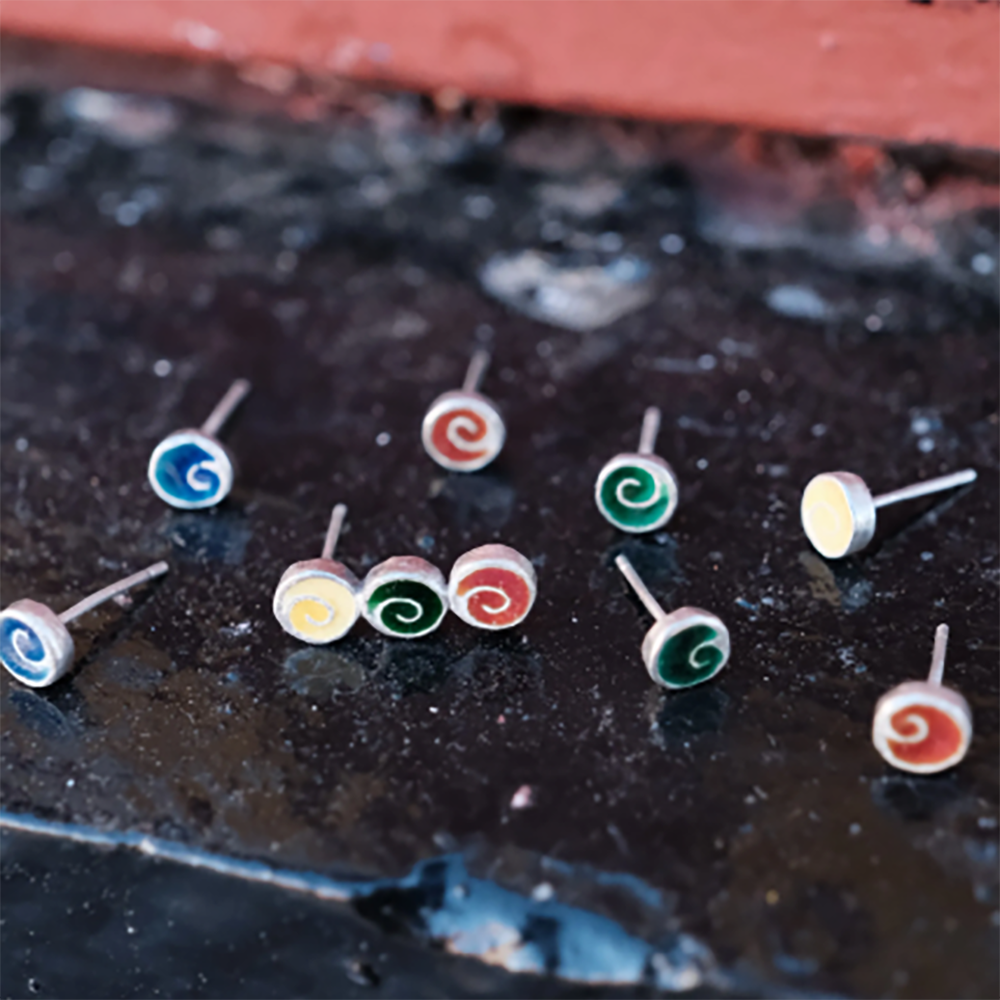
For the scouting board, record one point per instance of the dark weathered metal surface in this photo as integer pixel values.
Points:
(336, 267)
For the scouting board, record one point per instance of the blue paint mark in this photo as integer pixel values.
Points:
(440, 901)
(24, 658)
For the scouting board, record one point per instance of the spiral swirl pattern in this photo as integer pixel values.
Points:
(494, 597)
(22, 651)
(690, 656)
(189, 473)
(406, 608)
(635, 497)
(922, 735)
(315, 608)
(463, 431)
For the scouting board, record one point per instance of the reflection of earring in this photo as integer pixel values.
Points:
(35, 645)
(684, 648)
(638, 492)
(922, 726)
(405, 597)
(316, 600)
(838, 510)
(492, 587)
(190, 469)
(463, 430)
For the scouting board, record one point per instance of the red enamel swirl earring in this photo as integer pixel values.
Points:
(463, 430)
(922, 726)
(492, 587)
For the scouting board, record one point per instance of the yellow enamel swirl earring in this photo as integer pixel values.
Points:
(686, 647)
(922, 726)
(317, 599)
(190, 469)
(838, 509)
(638, 492)
(35, 645)
(463, 430)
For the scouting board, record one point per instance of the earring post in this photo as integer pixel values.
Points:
(642, 591)
(650, 430)
(937, 657)
(476, 370)
(333, 530)
(225, 406)
(113, 590)
(927, 486)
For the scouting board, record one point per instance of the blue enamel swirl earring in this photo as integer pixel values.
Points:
(686, 647)
(190, 469)
(35, 645)
(638, 492)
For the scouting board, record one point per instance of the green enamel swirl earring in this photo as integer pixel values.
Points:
(638, 492)
(405, 597)
(686, 647)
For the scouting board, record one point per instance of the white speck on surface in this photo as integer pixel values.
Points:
(564, 293)
(799, 302)
(383, 439)
(873, 323)
(818, 430)
(983, 264)
(921, 425)
(672, 244)
(21, 444)
(925, 444)
(479, 206)
(702, 463)
(522, 798)
(854, 829)
(125, 119)
(926, 556)
(201, 36)
(162, 368)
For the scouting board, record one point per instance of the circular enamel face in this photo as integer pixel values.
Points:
(688, 647)
(838, 514)
(463, 431)
(492, 587)
(637, 493)
(35, 645)
(316, 600)
(405, 597)
(921, 727)
(190, 470)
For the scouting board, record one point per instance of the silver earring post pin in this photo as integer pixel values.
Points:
(191, 469)
(684, 647)
(922, 726)
(35, 645)
(838, 509)
(463, 430)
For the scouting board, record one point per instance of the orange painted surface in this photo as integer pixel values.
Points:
(882, 68)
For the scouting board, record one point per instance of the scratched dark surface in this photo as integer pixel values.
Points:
(336, 266)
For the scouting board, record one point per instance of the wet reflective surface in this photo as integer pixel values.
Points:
(338, 270)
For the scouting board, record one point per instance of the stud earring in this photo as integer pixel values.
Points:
(405, 597)
(35, 645)
(838, 510)
(492, 587)
(317, 600)
(922, 726)
(683, 648)
(638, 492)
(463, 430)
(190, 469)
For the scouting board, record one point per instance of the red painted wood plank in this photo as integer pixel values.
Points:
(883, 68)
